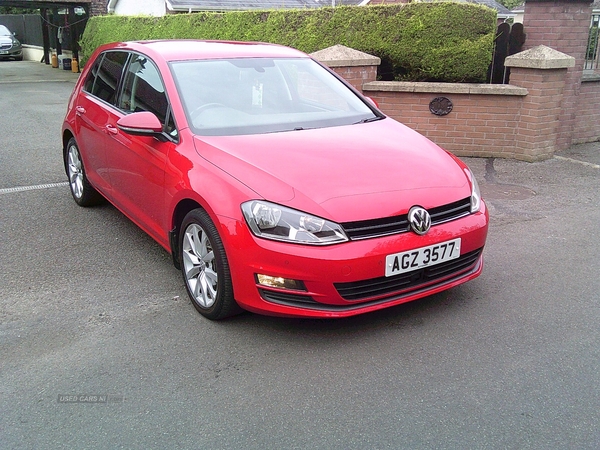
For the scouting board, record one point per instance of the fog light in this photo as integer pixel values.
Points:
(280, 282)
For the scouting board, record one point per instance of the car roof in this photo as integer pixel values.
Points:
(181, 50)
(4, 31)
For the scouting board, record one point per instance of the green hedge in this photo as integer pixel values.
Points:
(441, 41)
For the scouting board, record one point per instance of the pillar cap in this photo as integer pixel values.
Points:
(540, 57)
(342, 56)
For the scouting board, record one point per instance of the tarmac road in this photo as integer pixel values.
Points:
(100, 347)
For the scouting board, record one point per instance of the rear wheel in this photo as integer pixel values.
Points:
(83, 192)
(205, 268)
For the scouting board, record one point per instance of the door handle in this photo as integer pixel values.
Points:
(110, 129)
(79, 110)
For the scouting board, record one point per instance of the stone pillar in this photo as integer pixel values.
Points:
(564, 26)
(355, 67)
(544, 72)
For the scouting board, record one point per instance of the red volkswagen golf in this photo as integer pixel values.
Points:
(276, 187)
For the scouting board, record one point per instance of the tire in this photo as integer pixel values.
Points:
(82, 191)
(205, 268)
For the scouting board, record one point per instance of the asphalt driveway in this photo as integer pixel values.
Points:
(100, 348)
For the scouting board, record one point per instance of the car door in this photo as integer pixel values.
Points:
(96, 112)
(137, 163)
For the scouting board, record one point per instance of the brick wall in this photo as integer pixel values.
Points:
(98, 7)
(563, 26)
(481, 125)
(539, 120)
(358, 75)
(587, 123)
(519, 121)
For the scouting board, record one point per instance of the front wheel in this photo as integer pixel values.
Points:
(205, 268)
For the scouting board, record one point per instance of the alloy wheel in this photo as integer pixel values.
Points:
(75, 171)
(200, 266)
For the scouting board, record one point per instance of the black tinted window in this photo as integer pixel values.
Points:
(91, 77)
(108, 76)
(143, 89)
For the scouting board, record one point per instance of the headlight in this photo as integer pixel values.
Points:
(272, 221)
(475, 194)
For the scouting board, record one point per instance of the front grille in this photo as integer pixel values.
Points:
(5, 46)
(450, 212)
(365, 229)
(400, 284)
(377, 227)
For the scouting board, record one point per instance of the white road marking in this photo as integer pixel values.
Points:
(576, 161)
(33, 188)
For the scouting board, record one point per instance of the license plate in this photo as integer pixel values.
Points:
(422, 257)
(3, 52)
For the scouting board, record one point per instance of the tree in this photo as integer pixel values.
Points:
(510, 4)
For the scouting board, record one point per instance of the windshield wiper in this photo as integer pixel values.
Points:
(370, 119)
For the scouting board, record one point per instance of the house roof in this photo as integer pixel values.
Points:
(237, 5)
(503, 11)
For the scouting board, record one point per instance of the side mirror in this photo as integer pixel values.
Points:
(142, 123)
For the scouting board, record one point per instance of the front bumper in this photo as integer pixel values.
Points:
(11, 53)
(346, 279)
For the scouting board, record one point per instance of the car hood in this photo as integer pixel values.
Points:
(345, 173)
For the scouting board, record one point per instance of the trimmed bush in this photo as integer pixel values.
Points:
(440, 41)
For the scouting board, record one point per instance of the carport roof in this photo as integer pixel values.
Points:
(44, 3)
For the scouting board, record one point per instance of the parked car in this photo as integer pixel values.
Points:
(275, 185)
(10, 47)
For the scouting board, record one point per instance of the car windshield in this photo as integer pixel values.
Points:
(264, 95)
(4, 31)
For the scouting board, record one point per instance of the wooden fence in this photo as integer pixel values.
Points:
(509, 40)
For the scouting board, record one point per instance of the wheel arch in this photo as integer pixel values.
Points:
(189, 199)
(67, 135)
(181, 209)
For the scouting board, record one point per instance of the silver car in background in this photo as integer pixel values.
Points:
(10, 47)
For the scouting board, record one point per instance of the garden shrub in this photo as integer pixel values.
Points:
(438, 41)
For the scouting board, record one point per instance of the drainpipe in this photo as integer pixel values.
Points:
(111, 6)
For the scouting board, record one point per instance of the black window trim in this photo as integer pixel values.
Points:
(121, 86)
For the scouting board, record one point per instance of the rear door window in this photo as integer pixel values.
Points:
(106, 76)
